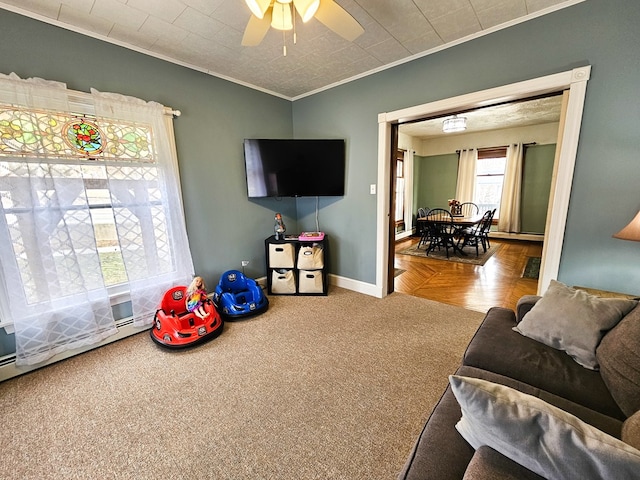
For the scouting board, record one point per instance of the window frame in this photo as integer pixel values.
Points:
(487, 153)
(81, 104)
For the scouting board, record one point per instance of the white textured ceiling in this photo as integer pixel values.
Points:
(206, 35)
(509, 115)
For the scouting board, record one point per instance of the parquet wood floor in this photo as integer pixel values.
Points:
(497, 283)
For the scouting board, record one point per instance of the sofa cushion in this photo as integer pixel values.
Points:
(537, 435)
(607, 424)
(497, 348)
(619, 358)
(487, 464)
(573, 321)
(631, 430)
(440, 453)
(524, 305)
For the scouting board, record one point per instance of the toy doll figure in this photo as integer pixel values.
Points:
(196, 295)
(279, 226)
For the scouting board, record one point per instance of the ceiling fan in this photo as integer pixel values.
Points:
(280, 14)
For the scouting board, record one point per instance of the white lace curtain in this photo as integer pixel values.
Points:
(145, 201)
(510, 201)
(51, 285)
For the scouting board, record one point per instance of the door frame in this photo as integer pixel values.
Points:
(575, 81)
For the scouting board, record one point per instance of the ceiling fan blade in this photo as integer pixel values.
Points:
(256, 29)
(339, 20)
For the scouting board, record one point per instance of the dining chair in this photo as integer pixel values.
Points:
(422, 213)
(424, 231)
(487, 221)
(477, 234)
(469, 209)
(440, 230)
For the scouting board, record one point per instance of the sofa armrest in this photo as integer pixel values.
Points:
(488, 464)
(525, 304)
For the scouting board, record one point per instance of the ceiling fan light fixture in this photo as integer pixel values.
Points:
(454, 124)
(282, 15)
(282, 18)
(258, 7)
(306, 8)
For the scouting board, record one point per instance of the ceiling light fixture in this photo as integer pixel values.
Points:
(454, 124)
(258, 7)
(281, 15)
(306, 8)
(282, 18)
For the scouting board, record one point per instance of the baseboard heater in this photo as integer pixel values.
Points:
(532, 237)
(9, 369)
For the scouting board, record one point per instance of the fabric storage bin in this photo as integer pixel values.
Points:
(281, 255)
(310, 281)
(310, 257)
(283, 281)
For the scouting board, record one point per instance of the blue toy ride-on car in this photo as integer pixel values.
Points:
(237, 296)
(175, 327)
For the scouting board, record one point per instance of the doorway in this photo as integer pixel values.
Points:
(573, 81)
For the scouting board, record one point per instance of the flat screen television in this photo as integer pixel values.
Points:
(294, 168)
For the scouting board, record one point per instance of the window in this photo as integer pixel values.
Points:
(90, 204)
(490, 178)
(78, 148)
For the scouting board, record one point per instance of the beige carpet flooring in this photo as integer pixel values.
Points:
(334, 387)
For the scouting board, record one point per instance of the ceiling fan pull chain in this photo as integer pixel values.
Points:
(284, 43)
(293, 15)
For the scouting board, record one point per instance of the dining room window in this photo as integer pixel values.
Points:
(490, 170)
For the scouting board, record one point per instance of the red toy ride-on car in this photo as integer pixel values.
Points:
(175, 327)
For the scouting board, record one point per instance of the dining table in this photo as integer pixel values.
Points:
(459, 221)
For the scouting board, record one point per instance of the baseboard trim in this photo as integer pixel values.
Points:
(405, 234)
(355, 285)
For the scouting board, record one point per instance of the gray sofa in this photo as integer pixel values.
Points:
(603, 398)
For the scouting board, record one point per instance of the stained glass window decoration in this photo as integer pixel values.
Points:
(36, 133)
(84, 135)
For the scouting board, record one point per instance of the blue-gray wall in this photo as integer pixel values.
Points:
(225, 227)
(605, 195)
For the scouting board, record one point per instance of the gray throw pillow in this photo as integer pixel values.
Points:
(537, 435)
(573, 321)
(619, 359)
(631, 430)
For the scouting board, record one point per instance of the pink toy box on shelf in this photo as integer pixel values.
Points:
(311, 236)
